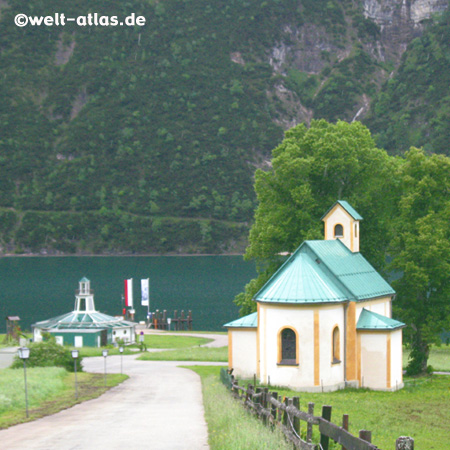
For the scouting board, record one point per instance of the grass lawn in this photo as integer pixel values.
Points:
(213, 354)
(50, 389)
(169, 341)
(439, 358)
(159, 341)
(230, 427)
(420, 410)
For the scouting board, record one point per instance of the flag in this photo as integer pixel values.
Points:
(129, 292)
(145, 292)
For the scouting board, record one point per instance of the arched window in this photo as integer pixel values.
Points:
(288, 347)
(336, 346)
(338, 230)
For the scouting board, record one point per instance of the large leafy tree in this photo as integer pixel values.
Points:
(311, 169)
(421, 252)
(405, 203)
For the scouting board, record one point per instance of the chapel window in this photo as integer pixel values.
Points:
(338, 230)
(336, 346)
(288, 347)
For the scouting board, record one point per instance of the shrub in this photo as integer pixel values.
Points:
(48, 354)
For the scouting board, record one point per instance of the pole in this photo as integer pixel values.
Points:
(105, 354)
(76, 384)
(26, 388)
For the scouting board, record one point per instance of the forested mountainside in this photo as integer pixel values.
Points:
(145, 139)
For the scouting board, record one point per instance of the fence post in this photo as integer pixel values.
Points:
(235, 390)
(257, 401)
(296, 422)
(273, 408)
(345, 425)
(285, 417)
(326, 415)
(265, 394)
(365, 435)
(404, 443)
(249, 392)
(309, 426)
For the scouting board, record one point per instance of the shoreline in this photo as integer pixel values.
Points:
(126, 255)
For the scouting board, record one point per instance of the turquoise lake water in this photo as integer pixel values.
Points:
(38, 288)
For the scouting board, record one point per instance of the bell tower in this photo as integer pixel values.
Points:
(342, 222)
(84, 297)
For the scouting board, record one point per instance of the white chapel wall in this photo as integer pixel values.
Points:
(301, 319)
(373, 360)
(243, 352)
(331, 374)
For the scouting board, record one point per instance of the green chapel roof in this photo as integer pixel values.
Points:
(250, 321)
(349, 208)
(369, 320)
(324, 272)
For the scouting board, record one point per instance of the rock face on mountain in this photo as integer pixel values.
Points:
(318, 61)
(400, 21)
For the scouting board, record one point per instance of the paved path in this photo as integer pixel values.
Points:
(158, 408)
(6, 356)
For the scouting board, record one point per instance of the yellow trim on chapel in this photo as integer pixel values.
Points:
(351, 342)
(316, 349)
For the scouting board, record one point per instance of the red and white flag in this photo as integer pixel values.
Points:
(129, 292)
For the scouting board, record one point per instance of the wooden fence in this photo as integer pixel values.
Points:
(160, 321)
(285, 413)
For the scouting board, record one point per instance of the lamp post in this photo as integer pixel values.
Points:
(105, 354)
(121, 358)
(75, 354)
(24, 354)
(169, 321)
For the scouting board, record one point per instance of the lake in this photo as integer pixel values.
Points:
(38, 288)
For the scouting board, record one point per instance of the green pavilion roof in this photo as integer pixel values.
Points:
(369, 320)
(348, 208)
(83, 320)
(250, 321)
(324, 272)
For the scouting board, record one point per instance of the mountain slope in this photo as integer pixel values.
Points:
(145, 139)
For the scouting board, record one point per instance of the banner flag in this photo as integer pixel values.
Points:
(145, 292)
(129, 292)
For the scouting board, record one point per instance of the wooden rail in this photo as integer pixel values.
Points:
(285, 413)
(159, 321)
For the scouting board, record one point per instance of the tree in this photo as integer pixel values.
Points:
(421, 251)
(311, 169)
(405, 203)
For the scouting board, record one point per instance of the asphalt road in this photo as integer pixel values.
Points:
(158, 408)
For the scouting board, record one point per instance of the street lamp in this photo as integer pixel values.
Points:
(24, 354)
(105, 354)
(121, 358)
(75, 354)
(169, 321)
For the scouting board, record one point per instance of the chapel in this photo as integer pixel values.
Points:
(324, 319)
